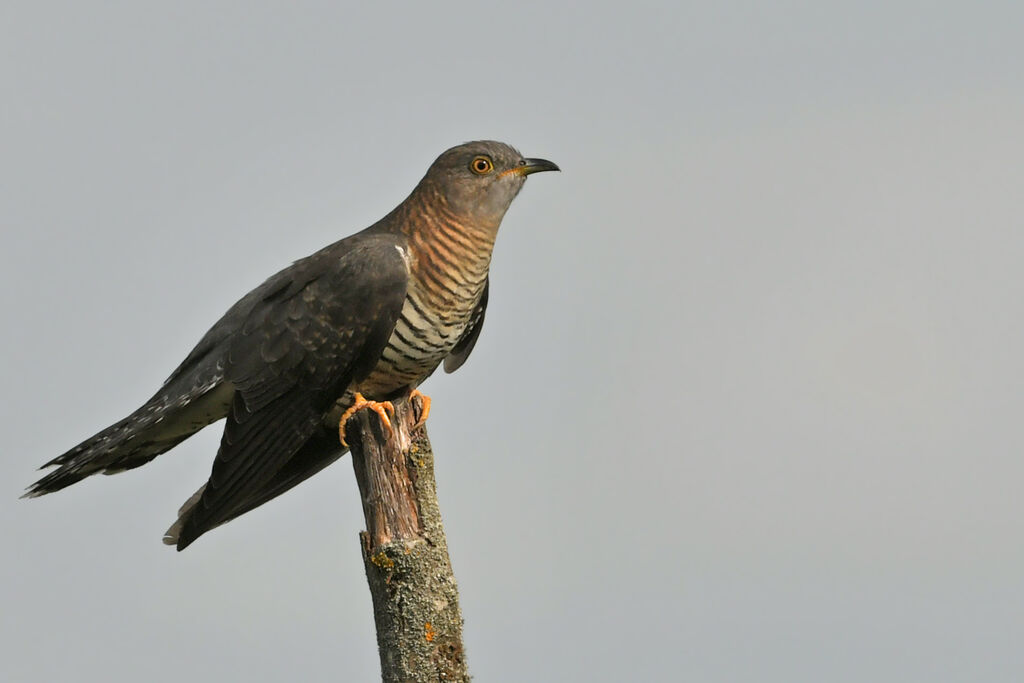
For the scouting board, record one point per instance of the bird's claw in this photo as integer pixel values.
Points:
(426, 407)
(382, 408)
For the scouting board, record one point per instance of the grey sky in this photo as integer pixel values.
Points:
(747, 403)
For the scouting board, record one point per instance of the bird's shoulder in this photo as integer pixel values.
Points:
(365, 253)
(324, 324)
(333, 278)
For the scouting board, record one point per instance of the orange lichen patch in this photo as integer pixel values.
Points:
(382, 409)
(428, 632)
(382, 561)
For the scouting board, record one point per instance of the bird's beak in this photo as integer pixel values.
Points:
(536, 166)
(528, 166)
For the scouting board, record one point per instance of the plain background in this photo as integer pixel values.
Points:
(747, 406)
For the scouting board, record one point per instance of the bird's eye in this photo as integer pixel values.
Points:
(481, 166)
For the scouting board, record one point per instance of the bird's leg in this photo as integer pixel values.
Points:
(426, 407)
(381, 408)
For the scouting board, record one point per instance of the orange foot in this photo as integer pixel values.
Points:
(426, 407)
(382, 409)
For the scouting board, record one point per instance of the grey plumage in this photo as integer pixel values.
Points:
(375, 312)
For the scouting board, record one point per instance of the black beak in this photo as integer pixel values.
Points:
(528, 166)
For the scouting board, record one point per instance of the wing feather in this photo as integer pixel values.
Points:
(295, 354)
(467, 341)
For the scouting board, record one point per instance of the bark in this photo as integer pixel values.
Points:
(415, 599)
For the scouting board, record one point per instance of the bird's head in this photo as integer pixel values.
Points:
(479, 180)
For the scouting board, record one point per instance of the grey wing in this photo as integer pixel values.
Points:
(467, 341)
(295, 354)
(321, 450)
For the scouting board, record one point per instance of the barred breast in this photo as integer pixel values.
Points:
(448, 264)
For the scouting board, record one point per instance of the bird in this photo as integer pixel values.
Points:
(362, 321)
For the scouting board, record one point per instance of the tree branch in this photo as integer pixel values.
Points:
(415, 599)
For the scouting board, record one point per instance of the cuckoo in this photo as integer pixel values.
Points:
(359, 322)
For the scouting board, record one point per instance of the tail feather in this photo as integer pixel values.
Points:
(156, 427)
(115, 449)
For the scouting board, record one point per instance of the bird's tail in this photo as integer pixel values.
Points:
(156, 427)
(119, 447)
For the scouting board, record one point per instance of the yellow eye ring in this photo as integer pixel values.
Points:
(481, 165)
